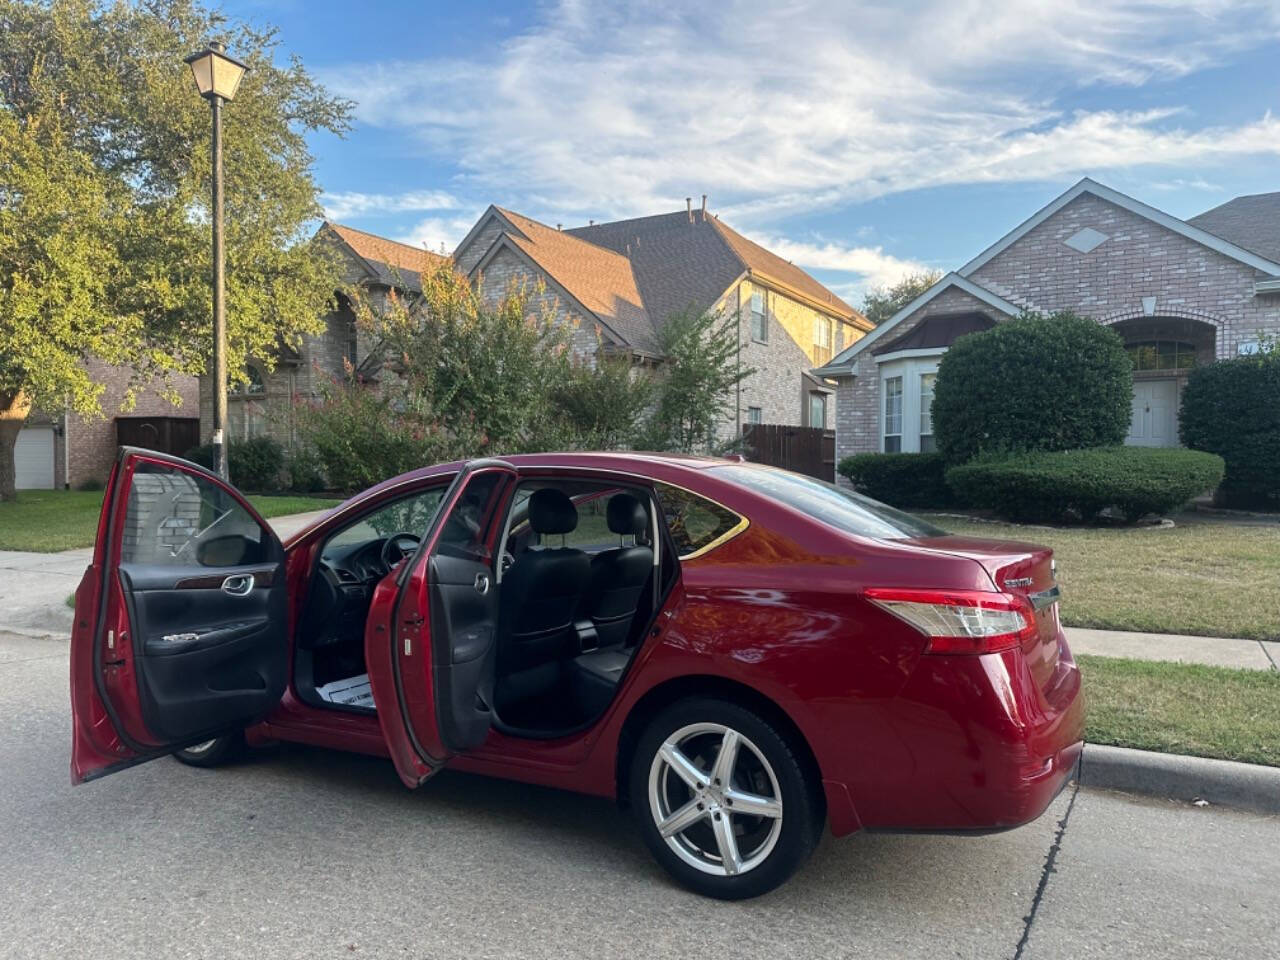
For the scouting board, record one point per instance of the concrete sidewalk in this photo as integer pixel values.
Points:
(34, 586)
(1210, 651)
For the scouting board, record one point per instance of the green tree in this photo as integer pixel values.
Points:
(603, 405)
(881, 303)
(104, 187)
(695, 384)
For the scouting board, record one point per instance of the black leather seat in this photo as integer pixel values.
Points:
(619, 576)
(541, 592)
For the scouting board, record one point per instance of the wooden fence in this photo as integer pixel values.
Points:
(807, 450)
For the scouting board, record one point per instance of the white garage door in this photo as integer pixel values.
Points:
(33, 458)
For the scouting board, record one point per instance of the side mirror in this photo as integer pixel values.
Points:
(230, 550)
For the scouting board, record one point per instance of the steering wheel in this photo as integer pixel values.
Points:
(397, 547)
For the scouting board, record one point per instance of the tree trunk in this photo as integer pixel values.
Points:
(14, 407)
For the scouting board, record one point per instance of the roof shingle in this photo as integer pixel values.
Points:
(393, 263)
(1252, 222)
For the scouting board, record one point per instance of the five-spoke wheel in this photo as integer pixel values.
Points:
(723, 801)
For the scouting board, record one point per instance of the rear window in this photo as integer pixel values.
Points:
(842, 509)
(695, 522)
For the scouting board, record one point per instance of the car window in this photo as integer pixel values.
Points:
(592, 503)
(693, 521)
(842, 509)
(408, 515)
(180, 519)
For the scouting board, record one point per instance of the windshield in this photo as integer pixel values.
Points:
(842, 509)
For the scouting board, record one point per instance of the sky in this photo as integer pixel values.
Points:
(862, 141)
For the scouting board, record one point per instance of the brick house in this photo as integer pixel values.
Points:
(1179, 292)
(264, 403)
(620, 281)
(57, 450)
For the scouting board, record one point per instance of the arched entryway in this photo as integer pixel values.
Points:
(1164, 350)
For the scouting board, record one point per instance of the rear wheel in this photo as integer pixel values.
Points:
(723, 800)
(212, 753)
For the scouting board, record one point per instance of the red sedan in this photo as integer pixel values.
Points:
(738, 653)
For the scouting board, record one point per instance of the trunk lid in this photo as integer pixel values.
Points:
(1026, 570)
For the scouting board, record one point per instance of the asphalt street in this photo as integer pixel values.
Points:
(308, 853)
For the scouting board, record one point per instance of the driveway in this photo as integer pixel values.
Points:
(34, 586)
(302, 852)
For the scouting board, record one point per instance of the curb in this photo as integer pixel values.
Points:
(1242, 786)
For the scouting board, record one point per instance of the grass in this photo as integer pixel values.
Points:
(1210, 579)
(45, 521)
(1182, 708)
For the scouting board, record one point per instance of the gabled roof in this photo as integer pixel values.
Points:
(936, 331)
(842, 363)
(1136, 207)
(387, 261)
(1252, 222)
(600, 280)
(685, 262)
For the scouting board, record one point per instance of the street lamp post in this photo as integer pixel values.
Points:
(217, 78)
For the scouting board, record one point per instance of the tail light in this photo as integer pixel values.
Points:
(961, 621)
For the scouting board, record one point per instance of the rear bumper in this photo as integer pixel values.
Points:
(981, 747)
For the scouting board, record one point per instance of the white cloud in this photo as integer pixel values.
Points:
(879, 269)
(352, 203)
(438, 234)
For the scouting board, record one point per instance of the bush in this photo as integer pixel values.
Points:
(1080, 484)
(1230, 408)
(254, 464)
(1035, 383)
(900, 479)
(304, 472)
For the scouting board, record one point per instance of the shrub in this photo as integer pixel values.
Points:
(1230, 408)
(1080, 484)
(254, 464)
(900, 479)
(1035, 383)
(304, 472)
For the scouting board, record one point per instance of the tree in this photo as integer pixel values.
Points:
(1061, 382)
(881, 303)
(604, 404)
(104, 194)
(695, 384)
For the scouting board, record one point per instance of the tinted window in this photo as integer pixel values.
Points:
(842, 509)
(179, 519)
(694, 521)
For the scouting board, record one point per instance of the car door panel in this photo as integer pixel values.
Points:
(174, 641)
(429, 641)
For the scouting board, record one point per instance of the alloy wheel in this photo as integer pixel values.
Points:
(715, 799)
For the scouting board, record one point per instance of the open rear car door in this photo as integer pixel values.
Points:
(180, 621)
(430, 637)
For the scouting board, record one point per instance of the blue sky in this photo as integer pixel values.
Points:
(861, 140)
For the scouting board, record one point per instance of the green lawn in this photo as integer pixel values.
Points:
(49, 520)
(1210, 579)
(1182, 708)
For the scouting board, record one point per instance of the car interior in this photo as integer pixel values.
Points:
(582, 568)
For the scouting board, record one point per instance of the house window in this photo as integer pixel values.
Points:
(1162, 355)
(926, 412)
(253, 384)
(893, 415)
(817, 409)
(755, 415)
(759, 321)
(821, 341)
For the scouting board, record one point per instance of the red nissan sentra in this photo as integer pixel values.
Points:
(735, 652)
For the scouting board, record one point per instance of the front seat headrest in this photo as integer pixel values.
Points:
(626, 515)
(551, 511)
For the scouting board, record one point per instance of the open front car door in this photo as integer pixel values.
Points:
(180, 621)
(431, 632)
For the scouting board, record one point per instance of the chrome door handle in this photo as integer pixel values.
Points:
(238, 584)
(482, 583)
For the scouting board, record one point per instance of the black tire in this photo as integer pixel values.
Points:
(212, 753)
(800, 795)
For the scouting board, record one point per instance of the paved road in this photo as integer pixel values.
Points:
(307, 853)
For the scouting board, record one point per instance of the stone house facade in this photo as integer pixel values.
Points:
(618, 282)
(1180, 293)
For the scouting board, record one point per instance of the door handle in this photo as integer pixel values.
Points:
(482, 583)
(238, 584)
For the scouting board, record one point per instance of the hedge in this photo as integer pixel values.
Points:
(254, 464)
(900, 479)
(1034, 383)
(1232, 408)
(1077, 485)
